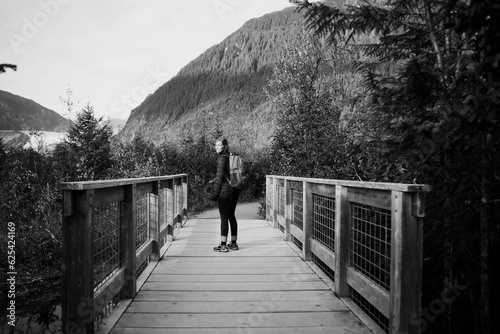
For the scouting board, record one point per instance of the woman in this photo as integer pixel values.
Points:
(226, 198)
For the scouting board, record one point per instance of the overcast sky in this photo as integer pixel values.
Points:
(112, 53)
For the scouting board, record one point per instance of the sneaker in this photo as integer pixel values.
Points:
(233, 246)
(221, 248)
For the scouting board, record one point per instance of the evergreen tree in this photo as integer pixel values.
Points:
(440, 111)
(88, 147)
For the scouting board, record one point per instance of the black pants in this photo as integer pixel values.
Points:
(227, 205)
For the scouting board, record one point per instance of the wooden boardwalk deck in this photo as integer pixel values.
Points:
(264, 287)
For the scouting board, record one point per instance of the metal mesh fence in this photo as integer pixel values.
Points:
(370, 243)
(162, 206)
(326, 269)
(324, 220)
(142, 215)
(369, 309)
(297, 204)
(297, 242)
(281, 200)
(178, 199)
(153, 209)
(106, 242)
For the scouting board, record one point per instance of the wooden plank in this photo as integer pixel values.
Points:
(297, 233)
(179, 250)
(371, 197)
(78, 265)
(261, 288)
(233, 263)
(68, 203)
(244, 320)
(358, 329)
(85, 185)
(228, 271)
(106, 196)
(361, 184)
(323, 189)
(110, 289)
(328, 305)
(342, 241)
(307, 219)
(323, 253)
(234, 286)
(230, 278)
(143, 253)
(128, 231)
(235, 296)
(406, 264)
(377, 296)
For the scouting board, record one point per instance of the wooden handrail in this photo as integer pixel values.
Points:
(81, 300)
(391, 219)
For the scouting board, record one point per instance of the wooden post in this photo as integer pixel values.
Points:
(288, 209)
(185, 192)
(269, 197)
(169, 210)
(341, 241)
(178, 204)
(307, 219)
(154, 224)
(78, 263)
(128, 231)
(406, 264)
(275, 203)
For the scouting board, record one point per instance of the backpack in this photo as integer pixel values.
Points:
(238, 177)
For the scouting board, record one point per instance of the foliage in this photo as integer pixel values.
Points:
(437, 105)
(4, 67)
(86, 152)
(309, 140)
(31, 201)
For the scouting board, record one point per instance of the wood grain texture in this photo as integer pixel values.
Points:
(265, 287)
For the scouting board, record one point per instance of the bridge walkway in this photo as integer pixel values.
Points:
(265, 287)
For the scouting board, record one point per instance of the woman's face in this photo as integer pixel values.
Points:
(218, 146)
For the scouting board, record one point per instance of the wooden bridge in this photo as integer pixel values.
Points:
(331, 257)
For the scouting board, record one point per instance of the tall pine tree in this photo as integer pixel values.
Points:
(87, 147)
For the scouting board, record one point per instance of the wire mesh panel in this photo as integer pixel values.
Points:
(153, 209)
(369, 309)
(324, 267)
(281, 200)
(269, 197)
(370, 243)
(297, 205)
(324, 220)
(106, 242)
(142, 221)
(178, 199)
(162, 206)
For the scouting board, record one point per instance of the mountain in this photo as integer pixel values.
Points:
(116, 124)
(222, 89)
(19, 113)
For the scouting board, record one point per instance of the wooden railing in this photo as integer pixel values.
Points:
(111, 230)
(365, 236)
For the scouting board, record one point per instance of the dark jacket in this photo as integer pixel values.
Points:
(220, 181)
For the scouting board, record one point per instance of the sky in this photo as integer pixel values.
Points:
(111, 54)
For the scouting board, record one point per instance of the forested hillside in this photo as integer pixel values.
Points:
(222, 89)
(19, 113)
